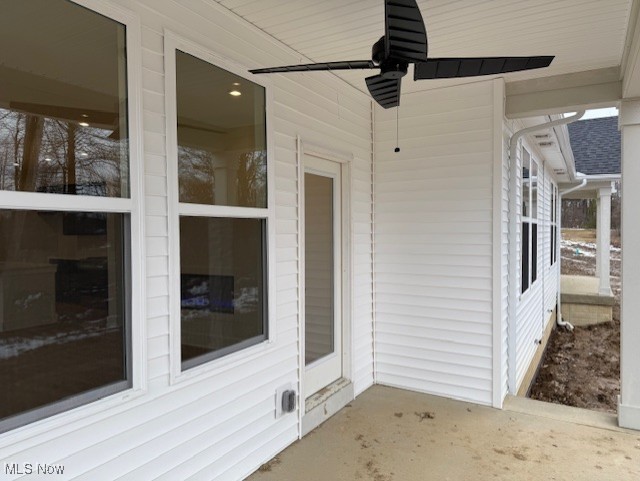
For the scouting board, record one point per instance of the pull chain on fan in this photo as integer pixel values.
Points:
(397, 149)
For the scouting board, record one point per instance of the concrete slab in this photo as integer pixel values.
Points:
(582, 304)
(390, 434)
(583, 290)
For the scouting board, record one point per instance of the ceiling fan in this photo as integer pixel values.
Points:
(405, 42)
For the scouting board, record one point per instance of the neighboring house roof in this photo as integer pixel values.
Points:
(596, 145)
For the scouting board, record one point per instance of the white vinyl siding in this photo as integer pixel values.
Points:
(533, 311)
(504, 262)
(433, 242)
(221, 425)
(362, 280)
(552, 277)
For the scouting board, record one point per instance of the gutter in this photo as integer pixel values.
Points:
(513, 245)
(573, 189)
(602, 177)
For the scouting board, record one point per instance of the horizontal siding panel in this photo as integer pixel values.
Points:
(433, 243)
(413, 263)
(428, 386)
(437, 375)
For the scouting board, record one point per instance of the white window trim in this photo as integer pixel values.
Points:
(531, 220)
(173, 42)
(56, 425)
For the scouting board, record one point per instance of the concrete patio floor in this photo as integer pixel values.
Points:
(390, 434)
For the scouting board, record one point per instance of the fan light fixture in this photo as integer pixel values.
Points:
(405, 42)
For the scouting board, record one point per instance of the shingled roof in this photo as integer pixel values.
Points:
(596, 145)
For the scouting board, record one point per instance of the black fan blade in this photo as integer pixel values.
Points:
(436, 68)
(346, 65)
(384, 91)
(404, 30)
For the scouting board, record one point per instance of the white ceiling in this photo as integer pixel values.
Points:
(583, 34)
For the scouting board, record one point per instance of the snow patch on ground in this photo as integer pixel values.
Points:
(17, 345)
(587, 249)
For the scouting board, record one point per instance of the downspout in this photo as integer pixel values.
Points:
(513, 229)
(559, 321)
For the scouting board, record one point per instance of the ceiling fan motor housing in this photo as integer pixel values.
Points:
(390, 68)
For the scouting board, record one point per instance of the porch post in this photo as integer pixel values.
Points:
(629, 403)
(604, 240)
(598, 234)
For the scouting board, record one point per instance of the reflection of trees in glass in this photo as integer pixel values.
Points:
(252, 179)
(196, 172)
(39, 154)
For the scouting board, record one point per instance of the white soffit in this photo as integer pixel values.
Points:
(583, 34)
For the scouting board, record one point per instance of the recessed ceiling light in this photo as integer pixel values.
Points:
(84, 155)
(16, 164)
(235, 93)
(83, 124)
(48, 159)
(84, 116)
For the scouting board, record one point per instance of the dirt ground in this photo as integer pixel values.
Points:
(582, 368)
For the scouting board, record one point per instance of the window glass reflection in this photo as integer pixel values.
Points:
(63, 100)
(222, 275)
(62, 306)
(534, 189)
(221, 136)
(526, 183)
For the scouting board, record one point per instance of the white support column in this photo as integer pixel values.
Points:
(629, 405)
(604, 241)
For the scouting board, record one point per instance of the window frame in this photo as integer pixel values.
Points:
(530, 220)
(553, 223)
(172, 43)
(83, 406)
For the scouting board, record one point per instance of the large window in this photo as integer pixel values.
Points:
(65, 209)
(529, 221)
(221, 162)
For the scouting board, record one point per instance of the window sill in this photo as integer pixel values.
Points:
(217, 366)
(71, 420)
